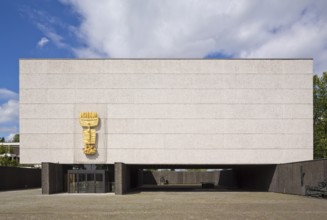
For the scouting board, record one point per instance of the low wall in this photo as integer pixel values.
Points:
(222, 178)
(19, 178)
(292, 178)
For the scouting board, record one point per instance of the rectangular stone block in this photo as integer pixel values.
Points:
(50, 111)
(39, 155)
(209, 126)
(33, 126)
(245, 66)
(29, 96)
(47, 81)
(47, 141)
(217, 156)
(180, 81)
(58, 96)
(210, 111)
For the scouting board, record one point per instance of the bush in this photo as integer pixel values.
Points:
(7, 162)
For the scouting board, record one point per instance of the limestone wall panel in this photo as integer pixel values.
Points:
(168, 111)
(218, 156)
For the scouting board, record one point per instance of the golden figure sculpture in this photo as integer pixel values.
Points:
(87, 121)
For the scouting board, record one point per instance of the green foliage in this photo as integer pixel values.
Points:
(5, 149)
(320, 115)
(15, 138)
(7, 162)
(2, 140)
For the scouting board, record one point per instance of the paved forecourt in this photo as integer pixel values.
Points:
(30, 204)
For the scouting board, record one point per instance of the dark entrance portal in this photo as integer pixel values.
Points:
(87, 181)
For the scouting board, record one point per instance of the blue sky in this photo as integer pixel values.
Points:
(153, 29)
(19, 39)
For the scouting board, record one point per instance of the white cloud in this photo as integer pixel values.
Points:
(42, 42)
(6, 94)
(52, 35)
(195, 28)
(51, 26)
(9, 111)
(10, 137)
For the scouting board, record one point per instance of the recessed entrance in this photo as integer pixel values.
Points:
(87, 181)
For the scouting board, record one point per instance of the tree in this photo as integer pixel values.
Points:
(3, 149)
(4, 159)
(6, 149)
(320, 115)
(15, 138)
(7, 162)
(2, 140)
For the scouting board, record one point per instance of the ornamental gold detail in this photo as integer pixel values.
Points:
(89, 120)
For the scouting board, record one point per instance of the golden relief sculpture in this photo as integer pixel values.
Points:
(88, 121)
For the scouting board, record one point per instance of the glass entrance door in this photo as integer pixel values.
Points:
(72, 183)
(86, 181)
(82, 183)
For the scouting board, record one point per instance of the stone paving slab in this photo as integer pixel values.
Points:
(30, 204)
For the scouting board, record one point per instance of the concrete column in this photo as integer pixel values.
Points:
(45, 178)
(121, 178)
(52, 178)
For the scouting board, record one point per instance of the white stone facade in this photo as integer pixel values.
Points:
(168, 111)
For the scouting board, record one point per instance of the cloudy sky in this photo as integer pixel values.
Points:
(154, 29)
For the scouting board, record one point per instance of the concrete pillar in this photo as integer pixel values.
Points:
(121, 178)
(52, 178)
